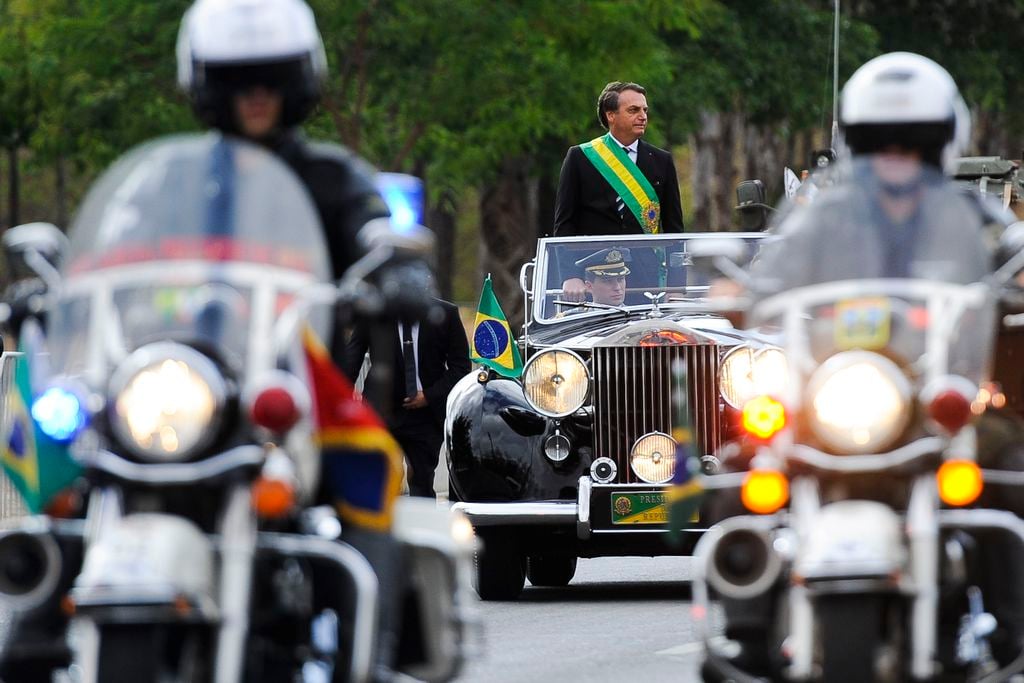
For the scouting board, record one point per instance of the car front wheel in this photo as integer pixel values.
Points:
(550, 570)
(500, 569)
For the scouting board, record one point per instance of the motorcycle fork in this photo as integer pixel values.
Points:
(923, 536)
(237, 530)
(804, 506)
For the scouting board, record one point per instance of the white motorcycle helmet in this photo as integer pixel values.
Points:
(228, 46)
(907, 100)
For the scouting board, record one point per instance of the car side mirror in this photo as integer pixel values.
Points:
(750, 202)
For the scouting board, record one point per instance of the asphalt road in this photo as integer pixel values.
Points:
(620, 620)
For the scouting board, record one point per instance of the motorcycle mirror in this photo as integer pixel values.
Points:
(750, 202)
(721, 254)
(380, 233)
(821, 158)
(1011, 253)
(35, 250)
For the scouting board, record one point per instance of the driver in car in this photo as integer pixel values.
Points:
(604, 276)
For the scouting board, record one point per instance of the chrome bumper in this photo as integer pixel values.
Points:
(560, 513)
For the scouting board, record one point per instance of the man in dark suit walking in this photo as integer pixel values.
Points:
(617, 184)
(426, 361)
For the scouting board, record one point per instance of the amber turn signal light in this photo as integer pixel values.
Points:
(764, 491)
(272, 498)
(763, 417)
(960, 482)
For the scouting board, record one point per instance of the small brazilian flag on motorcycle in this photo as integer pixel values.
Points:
(37, 466)
(493, 343)
(686, 492)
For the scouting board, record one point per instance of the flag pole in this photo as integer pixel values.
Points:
(835, 77)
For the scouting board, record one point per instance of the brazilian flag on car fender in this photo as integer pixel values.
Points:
(38, 466)
(493, 344)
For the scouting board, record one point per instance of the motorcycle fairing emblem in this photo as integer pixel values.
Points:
(863, 323)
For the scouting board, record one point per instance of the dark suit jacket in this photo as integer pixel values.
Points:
(585, 203)
(443, 359)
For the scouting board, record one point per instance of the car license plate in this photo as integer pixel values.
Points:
(645, 507)
(642, 507)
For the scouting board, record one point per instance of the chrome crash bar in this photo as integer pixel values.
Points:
(171, 474)
(946, 519)
(350, 562)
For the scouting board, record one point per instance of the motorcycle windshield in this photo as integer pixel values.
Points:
(200, 239)
(928, 328)
(889, 257)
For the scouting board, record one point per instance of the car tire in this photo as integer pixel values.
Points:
(500, 569)
(550, 570)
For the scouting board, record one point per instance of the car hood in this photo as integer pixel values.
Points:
(617, 329)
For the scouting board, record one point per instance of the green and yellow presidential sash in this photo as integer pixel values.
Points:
(615, 166)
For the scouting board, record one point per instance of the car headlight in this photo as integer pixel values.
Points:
(859, 402)
(747, 372)
(556, 382)
(653, 457)
(168, 400)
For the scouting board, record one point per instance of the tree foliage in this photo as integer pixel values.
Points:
(467, 92)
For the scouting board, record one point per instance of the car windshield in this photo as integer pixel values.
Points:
(197, 239)
(624, 271)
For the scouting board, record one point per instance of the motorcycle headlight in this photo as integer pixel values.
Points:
(167, 402)
(859, 402)
(556, 382)
(747, 372)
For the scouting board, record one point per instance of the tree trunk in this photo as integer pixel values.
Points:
(764, 158)
(704, 170)
(714, 171)
(546, 191)
(13, 198)
(441, 219)
(725, 173)
(508, 210)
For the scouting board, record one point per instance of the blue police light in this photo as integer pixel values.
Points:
(404, 196)
(59, 413)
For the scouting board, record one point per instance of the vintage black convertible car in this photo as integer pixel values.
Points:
(572, 459)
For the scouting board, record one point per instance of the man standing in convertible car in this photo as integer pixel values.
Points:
(255, 68)
(617, 184)
(903, 124)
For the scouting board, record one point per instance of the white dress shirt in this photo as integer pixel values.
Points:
(631, 153)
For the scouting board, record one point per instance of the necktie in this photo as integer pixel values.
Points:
(409, 358)
(620, 205)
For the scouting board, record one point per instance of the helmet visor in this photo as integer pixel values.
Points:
(236, 78)
(927, 138)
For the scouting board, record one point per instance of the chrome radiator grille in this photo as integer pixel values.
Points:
(632, 396)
